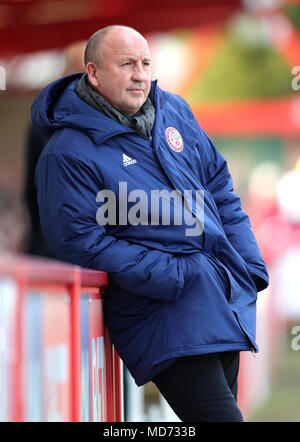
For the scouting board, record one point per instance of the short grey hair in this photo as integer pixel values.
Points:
(94, 45)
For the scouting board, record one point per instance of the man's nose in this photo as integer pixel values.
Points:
(139, 73)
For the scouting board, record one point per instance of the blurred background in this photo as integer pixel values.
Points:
(237, 63)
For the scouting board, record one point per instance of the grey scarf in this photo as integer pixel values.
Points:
(142, 121)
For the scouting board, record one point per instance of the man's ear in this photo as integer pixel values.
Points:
(93, 74)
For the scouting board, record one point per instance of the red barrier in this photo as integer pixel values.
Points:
(56, 358)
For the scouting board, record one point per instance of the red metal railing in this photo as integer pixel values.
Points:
(56, 346)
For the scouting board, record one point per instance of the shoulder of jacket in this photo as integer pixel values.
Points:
(171, 96)
(177, 101)
(70, 142)
(71, 135)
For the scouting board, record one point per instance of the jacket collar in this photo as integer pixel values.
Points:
(58, 106)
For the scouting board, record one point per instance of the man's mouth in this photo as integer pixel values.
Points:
(135, 90)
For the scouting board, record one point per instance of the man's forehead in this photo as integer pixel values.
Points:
(132, 54)
(126, 42)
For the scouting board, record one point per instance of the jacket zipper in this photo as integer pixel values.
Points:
(238, 321)
(149, 134)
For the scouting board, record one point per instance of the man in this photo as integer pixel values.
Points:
(131, 185)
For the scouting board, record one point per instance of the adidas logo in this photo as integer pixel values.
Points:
(127, 160)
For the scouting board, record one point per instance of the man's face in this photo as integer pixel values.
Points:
(124, 76)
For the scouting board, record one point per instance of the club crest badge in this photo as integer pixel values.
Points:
(174, 139)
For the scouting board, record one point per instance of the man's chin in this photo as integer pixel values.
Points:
(134, 107)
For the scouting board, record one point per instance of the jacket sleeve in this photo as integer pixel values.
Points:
(235, 221)
(67, 190)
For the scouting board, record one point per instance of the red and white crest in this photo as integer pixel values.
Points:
(174, 139)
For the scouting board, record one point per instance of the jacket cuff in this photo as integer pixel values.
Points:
(260, 278)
